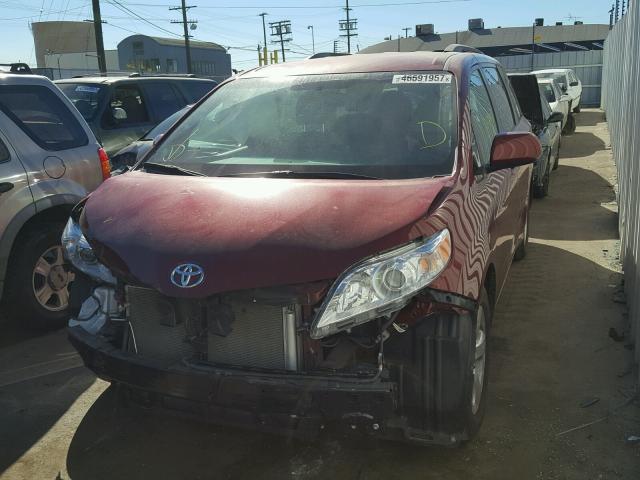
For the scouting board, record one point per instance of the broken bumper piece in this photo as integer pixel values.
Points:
(300, 406)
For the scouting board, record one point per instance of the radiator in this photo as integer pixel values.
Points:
(261, 335)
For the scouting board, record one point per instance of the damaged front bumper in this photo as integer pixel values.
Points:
(298, 405)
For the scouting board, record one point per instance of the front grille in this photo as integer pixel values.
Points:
(166, 329)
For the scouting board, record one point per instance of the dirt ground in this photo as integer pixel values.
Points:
(551, 349)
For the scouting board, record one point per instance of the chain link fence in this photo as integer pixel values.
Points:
(621, 103)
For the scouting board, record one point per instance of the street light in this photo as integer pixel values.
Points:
(264, 28)
(313, 41)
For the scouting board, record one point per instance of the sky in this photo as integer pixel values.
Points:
(236, 25)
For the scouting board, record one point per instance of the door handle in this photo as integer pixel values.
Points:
(5, 187)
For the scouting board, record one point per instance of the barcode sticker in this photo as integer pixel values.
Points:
(422, 78)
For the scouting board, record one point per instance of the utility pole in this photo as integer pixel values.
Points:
(348, 25)
(623, 5)
(282, 30)
(185, 23)
(533, 43)
(313, 40)
(617, 11)
(406, 31)
(335, 46)
(97, 26)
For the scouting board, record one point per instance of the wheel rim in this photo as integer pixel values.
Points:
(51, 279)
(479, 361)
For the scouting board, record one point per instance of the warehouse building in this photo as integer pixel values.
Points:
(521, 49)
(144, 54)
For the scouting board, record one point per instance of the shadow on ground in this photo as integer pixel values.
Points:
(582, 144)
(589, 118)
(566, 215)
(533, 341)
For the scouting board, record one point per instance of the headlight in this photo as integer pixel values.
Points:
(80, 254)
(382, 284)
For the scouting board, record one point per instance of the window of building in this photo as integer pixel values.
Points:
(172, 65)
(483, 120)
(499, 99)
(138, 48)
(42, 116)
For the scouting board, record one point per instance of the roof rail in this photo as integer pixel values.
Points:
(17, 68)
(458, 47)
(326, 54)
(181, 75)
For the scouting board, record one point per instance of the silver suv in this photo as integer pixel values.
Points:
(49, 160)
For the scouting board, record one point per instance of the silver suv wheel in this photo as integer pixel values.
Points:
(51, 279)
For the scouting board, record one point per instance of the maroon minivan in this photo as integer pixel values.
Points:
(315, 244)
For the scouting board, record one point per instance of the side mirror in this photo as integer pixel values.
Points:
(514, 149)
(573, 84)
(555, 117)
(157, 139)
(563, 87)
(119, 113)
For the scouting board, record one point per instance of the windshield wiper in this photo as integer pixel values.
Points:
(294, 174)
(163, 167)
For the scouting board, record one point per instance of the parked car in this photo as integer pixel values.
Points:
(546, 124)
(120, 110)
(129, 155)
(568, 78)
(316, 243)
(49, 160)
(558, 102)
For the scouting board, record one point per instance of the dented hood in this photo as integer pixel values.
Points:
(249, 232)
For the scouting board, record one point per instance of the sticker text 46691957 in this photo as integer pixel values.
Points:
(422, 78)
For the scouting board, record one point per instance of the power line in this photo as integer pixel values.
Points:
(124, 9)
(288, 7)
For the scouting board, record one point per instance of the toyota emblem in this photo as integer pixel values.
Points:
(187, 275)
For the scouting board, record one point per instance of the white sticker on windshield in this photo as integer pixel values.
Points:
(86, 88)
(423, 78)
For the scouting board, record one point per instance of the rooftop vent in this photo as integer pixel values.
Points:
(424, 29)
(539, 22)
(476, 24)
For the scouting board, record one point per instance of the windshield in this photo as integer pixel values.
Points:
(164, 125)
(85, 97)
(546, 90)
(384, 125)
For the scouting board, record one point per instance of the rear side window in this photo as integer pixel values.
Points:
(195, 90)
(127, 107)
(483, 120)
(4, 152)
(43, 116)
(499, 99)
(164, 99)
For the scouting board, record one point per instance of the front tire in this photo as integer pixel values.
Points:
(39, 279)
(541, 191)
(478, 368)
(521, 251)
(556, 163)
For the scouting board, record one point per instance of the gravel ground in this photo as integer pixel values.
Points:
(551, 353)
